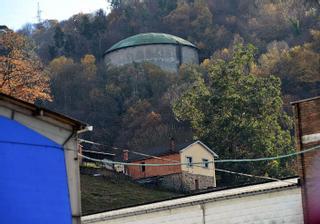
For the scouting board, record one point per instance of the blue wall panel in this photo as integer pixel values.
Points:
(33, 179)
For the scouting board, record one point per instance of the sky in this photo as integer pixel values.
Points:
(16, 13)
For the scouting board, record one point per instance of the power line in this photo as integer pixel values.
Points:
(267, 158)
(99, 144)
(175, 164)
(97, 152)
(217, 169)
(170, 164)
(197, 164)
(250, 175)
(134, 152)
(218, 161)
(159, 165)
(244, 174)
(226, 160)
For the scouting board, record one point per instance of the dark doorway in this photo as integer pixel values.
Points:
(196, 183)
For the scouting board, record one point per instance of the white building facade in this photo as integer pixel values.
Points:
(268, 203)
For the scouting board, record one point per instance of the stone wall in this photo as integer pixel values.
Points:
(192, 182)
(186, 182)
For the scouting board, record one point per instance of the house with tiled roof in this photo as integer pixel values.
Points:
(194, 170)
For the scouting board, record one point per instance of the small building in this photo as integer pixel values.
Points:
(164, 50)
(184, 178)
(39, 178)
(276, 202)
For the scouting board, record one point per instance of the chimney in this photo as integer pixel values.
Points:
(307, 133)
(172, 144)
(125, 154)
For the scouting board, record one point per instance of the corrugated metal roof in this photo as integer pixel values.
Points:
(149, 38)
(36, 109)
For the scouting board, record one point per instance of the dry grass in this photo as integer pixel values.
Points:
(100, 194)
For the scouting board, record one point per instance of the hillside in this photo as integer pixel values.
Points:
(255, 58)
(104, 193)
(284, 33)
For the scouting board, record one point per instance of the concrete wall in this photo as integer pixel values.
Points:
(189, 55)
(165, 56)
(271, 203)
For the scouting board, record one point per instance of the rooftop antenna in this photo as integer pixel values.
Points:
(39, 14)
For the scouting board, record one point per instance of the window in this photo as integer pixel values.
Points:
(189, 161)
(143, 168)
(205, 163)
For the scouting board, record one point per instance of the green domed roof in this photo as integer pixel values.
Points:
(149, 38)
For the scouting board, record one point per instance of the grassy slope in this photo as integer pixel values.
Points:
(103, 193)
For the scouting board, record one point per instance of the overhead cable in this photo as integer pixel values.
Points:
(267, 158)
(175, 164)
(134, 152)
(236, 160)
(214, 161)
(250, 175)
(217, 169)
(97, 152)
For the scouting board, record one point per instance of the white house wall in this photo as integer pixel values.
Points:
(260, 204)
(197, 152)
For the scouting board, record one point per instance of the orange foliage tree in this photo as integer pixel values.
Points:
(21, 72)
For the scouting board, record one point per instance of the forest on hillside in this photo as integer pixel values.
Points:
(269, 48)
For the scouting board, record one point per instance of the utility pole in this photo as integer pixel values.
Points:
(39, 14)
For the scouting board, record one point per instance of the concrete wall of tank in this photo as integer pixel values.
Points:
(169, 57)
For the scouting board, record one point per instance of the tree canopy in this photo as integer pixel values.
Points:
(21, 72)
(237, 113)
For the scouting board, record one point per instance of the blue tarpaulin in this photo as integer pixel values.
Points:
(33, 178)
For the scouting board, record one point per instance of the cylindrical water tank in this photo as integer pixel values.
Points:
(164, 50)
